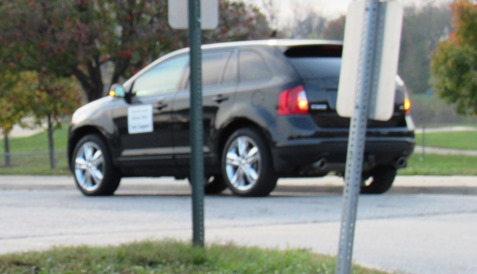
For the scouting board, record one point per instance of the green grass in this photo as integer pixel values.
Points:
(455, 139)
(434, 164)
(39, 141)
(29, 155)
(169, 257)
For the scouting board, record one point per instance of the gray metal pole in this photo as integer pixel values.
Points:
(356, 141)
(423, 154)
(196, 128)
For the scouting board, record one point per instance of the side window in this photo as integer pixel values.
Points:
(213, 67)
(162, 78)
(231, 71)
(252, 67)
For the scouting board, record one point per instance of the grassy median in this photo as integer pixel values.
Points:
(449, 139)
(424, 163)
(440, 165)
(170, 257)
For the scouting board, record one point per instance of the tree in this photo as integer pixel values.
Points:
(53, 99)
(13, 104)
(238, 21)
(271, 8)
(301, 21)
(334, 29)
(305, 22)
(423, 28)
(39, 96)
(454, 62)
(77, 38)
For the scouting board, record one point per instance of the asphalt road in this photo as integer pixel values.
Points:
(423, 225)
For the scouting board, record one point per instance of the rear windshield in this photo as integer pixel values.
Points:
(317, 67)
(316, 61)
(315, 51)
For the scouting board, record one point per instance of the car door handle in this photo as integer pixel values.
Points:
(160, 105)
(220, 98)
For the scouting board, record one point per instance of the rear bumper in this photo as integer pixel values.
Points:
(314, 156)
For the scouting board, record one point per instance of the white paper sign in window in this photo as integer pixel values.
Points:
(140, 119)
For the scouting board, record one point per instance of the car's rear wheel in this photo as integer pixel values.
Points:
(92, 167)
(246, 164)
(380, 180)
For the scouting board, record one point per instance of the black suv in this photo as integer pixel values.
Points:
(269, 110)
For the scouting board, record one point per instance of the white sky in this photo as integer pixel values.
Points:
(334, 8)
(340, 6)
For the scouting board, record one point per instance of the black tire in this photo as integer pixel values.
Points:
(248, 171)
(381, 180)
(214, 184)
(92, 167)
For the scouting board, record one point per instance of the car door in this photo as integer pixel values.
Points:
(144, 123)
(219, 81)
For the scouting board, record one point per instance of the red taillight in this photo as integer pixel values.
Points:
(293, 101)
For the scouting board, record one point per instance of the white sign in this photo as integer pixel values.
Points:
(140, 119)
(386, 60)
(178, 11)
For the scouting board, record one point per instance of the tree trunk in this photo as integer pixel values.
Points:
(90, 79)
(51, 143)
(6, 149)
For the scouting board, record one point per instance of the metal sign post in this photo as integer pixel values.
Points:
(193, 22)
(196, 129)
(356, 141)
(366, 91)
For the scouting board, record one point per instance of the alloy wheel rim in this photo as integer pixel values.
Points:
(89, 166)
(243, 163)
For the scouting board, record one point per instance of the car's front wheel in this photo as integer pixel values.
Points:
(247, 165)
(380, 180)
(92, 167)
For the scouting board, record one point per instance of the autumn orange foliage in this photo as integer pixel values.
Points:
(463, 12)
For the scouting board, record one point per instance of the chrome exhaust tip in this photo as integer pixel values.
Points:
(401, 162)
(321, 164)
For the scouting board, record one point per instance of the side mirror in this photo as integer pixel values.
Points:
(117, 90)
